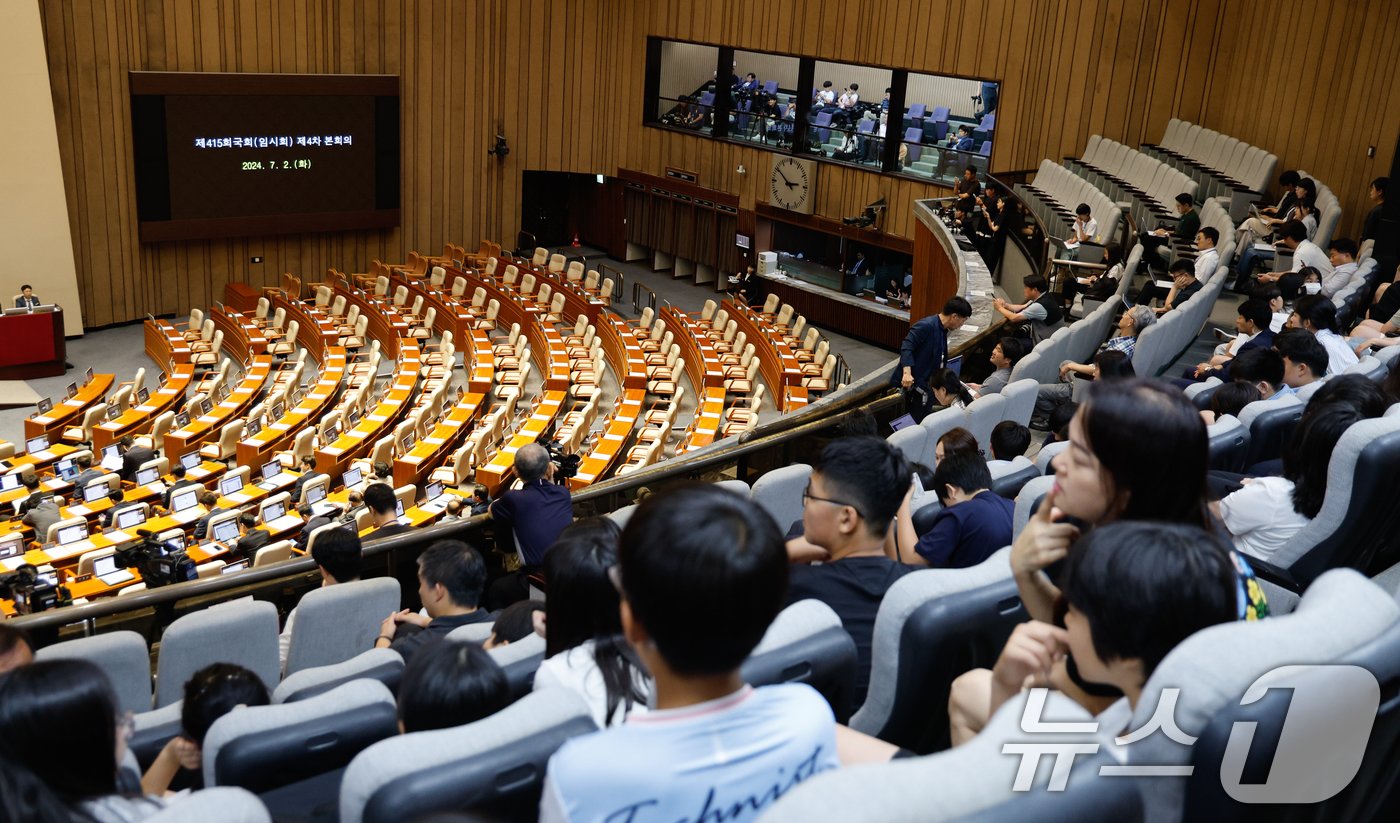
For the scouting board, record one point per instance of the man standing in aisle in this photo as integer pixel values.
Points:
(925, 347)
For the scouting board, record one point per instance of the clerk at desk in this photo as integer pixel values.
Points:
(26, 299)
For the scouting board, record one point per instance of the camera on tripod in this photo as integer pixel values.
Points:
(31, 592)
(565, 465)
(160, 563)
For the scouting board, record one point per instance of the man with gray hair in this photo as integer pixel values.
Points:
(533, 515)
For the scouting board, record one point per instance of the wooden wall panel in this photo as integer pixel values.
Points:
(1311, 80)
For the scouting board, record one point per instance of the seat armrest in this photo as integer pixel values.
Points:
(1276, 575)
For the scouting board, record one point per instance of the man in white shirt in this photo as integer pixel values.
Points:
(1294, 236)
(1083, 230)
(1317, 315)
(713, 748)
(1207, 256)
(1304, 361)
(1341, 253)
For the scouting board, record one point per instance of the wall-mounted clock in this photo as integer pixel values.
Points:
(792, 184)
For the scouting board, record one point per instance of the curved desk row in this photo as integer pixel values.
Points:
(70, 411)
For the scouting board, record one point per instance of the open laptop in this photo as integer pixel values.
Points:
(72, 540)
(270, 472)
(190, 460)
(184, 505)
(351, 478)
(66, 469)
(9, 481)
(130, 518)
(315, 497)
(275, 517)
(234, 567)
(149, 476)
(107, 570)
(230, 485)
(225, 531)
(436, 498)
(94, 493)
(398, 510)
(38, 448)
(11, 551)
(142, 395)
(112, 458)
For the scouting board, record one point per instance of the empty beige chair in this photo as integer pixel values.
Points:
(400, 296)
(543, 295)
(821, 382)
(287, 346)
(273, 330)
(488, 322)
(227, 444)
(273, 553)
(156, 438)
(605, 291)
(741, 419)
(707, 312)
(92, 417)
(356, 339)
(541, 256)
(383, 451)
(193, 329)
(508, 348)
(556, 309)
(424, 329)
(512, 275)
(478, 304)
(323, 296)
(337, 310)
(414, 314)
(260, 313)
(347, 324)
(434, 354)
(137, 381)
(215, 378)
(210, 356)
(436, 277)
(590, 281)
(665, 382)
(575, 272)
(527, 285)
(556, 263)
(381, 286)
(770, 305)
(817, 359)
(459, 287)
(512, 384)
(303, 445)
(810, 343)
(213, 568)
(743, 384)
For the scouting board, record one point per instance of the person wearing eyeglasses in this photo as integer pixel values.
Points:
(856, 489)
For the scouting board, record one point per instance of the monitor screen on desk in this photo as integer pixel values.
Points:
(72, 389)
(182, 420)
(350, 478)
(72, 534)
(88, 375)
(12, 545)
(271, 470)
(105, 565)
(95, 492)
(234, 567)
(254, 426)
(272, 511)
(398, 508)
(184, 500)
(9, 481)
(231, 485)
(113, 412)
(221, 393)
(36, 444)
(314, 494)
(226, 531)
(45, 406)
(142, 395)
(126, 518)
(146, 477)
(66, 469)
(189, 460)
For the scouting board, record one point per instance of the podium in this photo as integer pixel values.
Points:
(33, 344)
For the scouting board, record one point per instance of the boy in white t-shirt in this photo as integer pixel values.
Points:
(702, 573)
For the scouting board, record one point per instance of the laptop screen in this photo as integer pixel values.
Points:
(71, 389)
(254, 426)
(126, 518)
(182, 420)
(277, 410)
(145, 477)
(92, 494)
(45, 405)
(72, 534)
(272, 511)
(350, 478)
(398, 508)
(408, 441)
(221, 394)
(8, 481)
(190, 460)
(271, 470)
(234, 567)
(12, 545)
(231, 485)
(113, 412)
(433, 492)
(184, 500)
(226, 531)
(103, 566)
(111, 453)
(36, 444)
(66, 469)
(314, 494)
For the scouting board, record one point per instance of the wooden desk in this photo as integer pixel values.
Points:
(40, 460)
(277, 435)
(34, 344)
(622, 350)
(612, 440)
(776, 361)
(202, 429)
(702, 362)
(709, 419)
(430, 452)
(356, 442)
(165, 344)
(240, 331)
(384, 324)
(481, 373)
(69, 412)
(493, 475)
(315, 332)
(556, 359)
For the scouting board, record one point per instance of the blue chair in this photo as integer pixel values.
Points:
(912, 137)
(940, 114)
(940, 130)
(986, 149)
(770, 87)
(865, 126)
(917, 112)
(989, 122)
(821, 127)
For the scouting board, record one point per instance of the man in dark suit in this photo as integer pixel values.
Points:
(210, 501)
(181, 482)
(379, 497)
(925, 347)
(26, 299)
(253, 538)
(86, 473)
(133, 456)
(1252, 320)
(308, 473)
(313, 522)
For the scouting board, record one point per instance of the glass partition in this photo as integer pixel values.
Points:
(764, 98)
(685, 95)
(847, 102)
(947, 125)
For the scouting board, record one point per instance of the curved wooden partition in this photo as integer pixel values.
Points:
(277, 435)
(69, 412)
(202, 429)
(333, 458)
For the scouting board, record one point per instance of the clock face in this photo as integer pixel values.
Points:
(790, 184)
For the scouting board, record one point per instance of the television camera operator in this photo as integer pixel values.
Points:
(529, 518)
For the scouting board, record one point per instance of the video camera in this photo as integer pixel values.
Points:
(565, 465)
(32, 593)
(160, 563)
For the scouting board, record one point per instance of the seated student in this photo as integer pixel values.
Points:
(71, 701)
(948, 390)
(339, 558)
(855, 491)
(1374, 334)
(1041, 311)
(1083, 229)
(86, 473)
(972, 526)
(1264, 370)
(15, 648)
(1058, 424)
(451, 575)
(1252, 325)
(1010, 440)
(251, 536)
(1341, 253)
(584, 647)
(210, 693)
(383, 507)
(33, 493)
(1273, 296)
(1304, 361)
(1317, 314)
(1095, 285)
(1110, 365)
(1157, 244)
(954, 441)
(133, 457)
(1005, 355)
(1265, 512)
(514, 623)
(702, 575)
(354, 504)
(1180, 574)
(1230, 399)
(1185, 285)
(450, 684)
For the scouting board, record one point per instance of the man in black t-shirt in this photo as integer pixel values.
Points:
(855, 491)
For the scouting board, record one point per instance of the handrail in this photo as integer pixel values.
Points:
(619, 279)
(637, 289)
(1039, 256)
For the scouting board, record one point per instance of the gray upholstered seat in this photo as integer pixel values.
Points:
(806, 643)
(520, 660)
(410, 776)
(121, 655)
(335, 623)
(242, 632)
(779, 492)
(982, 416)
(912, 442)
(384, 665)
(223, 804)
(1228, 441)
(1020, 401)
(1028, 498)
(1009, 476)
